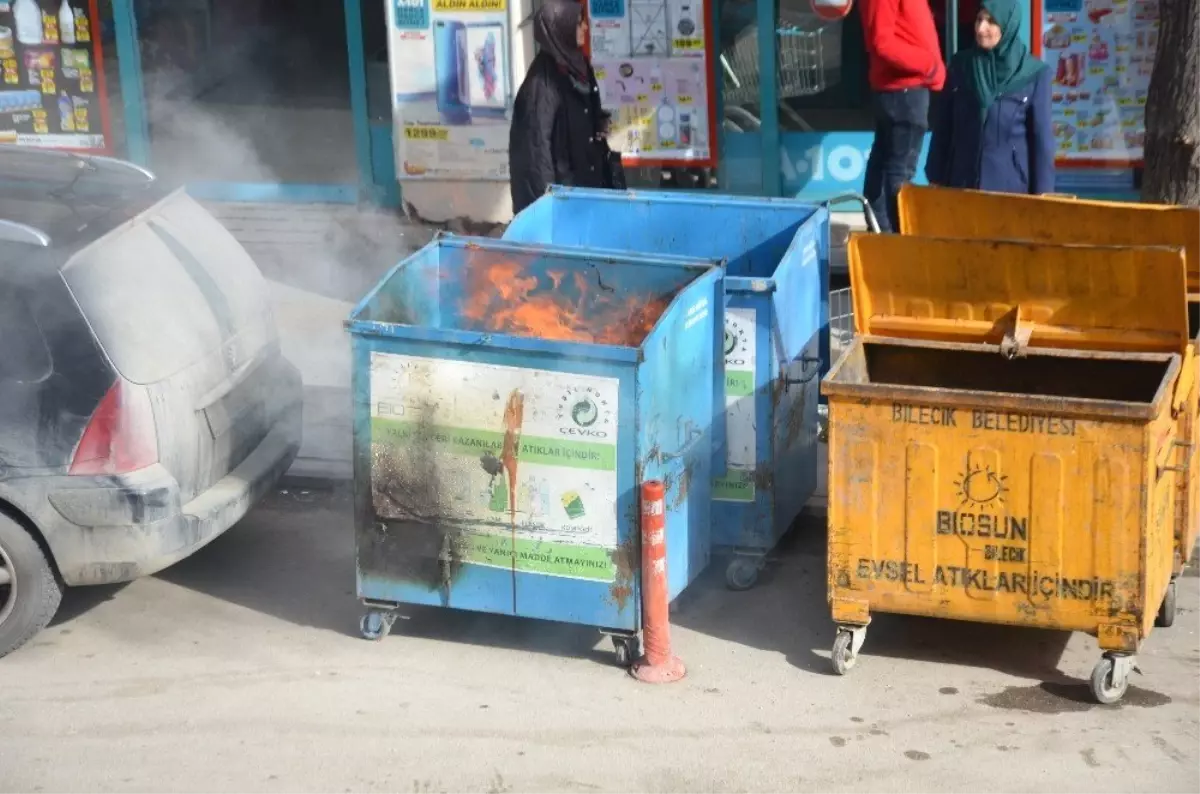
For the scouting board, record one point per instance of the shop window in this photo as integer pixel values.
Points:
(821, 82)
(822, 79)
(247, 91)
(822, 93)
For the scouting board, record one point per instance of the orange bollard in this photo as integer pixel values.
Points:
(657, 665)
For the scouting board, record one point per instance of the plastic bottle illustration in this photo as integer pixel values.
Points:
(66, 113)
(66, 23)
(529, 497)
(499, 497)
(28, 17)
(49, 27)
(83, 31)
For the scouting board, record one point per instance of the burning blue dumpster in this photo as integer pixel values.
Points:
(508, 401)
(776, 287)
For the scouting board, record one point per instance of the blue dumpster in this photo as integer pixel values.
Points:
(777, 271)
(508, 401)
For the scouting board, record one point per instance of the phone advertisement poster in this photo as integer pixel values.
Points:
(653, 60)
(451, 88)
(1101, 53)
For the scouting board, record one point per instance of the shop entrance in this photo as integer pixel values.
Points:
(817, 110)
(247, 92)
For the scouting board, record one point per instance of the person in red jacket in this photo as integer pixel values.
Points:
(904, 63)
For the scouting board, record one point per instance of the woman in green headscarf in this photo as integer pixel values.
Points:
(993, 129)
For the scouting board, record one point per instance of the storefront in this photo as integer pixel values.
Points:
(307, 100)
(814, 107)
(251, 100)
(706, 92)
(815, 110)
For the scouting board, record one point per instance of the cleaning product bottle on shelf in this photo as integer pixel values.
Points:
(66, 23)
(49, 26)
(66, 113)
(28, 17)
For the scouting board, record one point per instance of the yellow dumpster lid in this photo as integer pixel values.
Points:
(946, 212)
(1039, 295)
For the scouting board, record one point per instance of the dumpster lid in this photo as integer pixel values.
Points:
(1020, 294)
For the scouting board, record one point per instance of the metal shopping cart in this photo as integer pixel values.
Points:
(841, 303)
(841, 307)
(841, 322)
(801, 72)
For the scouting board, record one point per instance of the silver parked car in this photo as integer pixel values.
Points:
(144, 401)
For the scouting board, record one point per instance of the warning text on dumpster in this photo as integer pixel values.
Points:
(519, 464)
(978, 419)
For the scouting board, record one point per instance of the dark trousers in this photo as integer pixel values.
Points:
(901, 120)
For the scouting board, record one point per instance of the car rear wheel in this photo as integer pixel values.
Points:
(29, 590)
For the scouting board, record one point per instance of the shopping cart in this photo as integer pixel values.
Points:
(841, 302)
(841, 308)
(800, 59)
(841, 322)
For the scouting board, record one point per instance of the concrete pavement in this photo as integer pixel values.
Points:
(241, 669)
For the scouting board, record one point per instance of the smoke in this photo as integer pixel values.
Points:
(271, 105)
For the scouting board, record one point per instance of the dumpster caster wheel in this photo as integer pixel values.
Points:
(845, 650)
(375, 625)
(1166, 611)
(626, 649)
(1110, 678)
(742, 573)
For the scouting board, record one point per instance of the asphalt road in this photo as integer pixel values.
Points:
(241, 670)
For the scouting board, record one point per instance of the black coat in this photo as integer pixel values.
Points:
(555, 135)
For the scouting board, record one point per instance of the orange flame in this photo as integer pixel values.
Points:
(502, 296)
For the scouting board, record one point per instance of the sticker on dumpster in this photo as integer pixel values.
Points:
(738, 483)
(522, 462)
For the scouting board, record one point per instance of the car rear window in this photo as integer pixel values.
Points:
(166, 290)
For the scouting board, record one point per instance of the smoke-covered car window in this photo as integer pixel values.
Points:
(23, 354)
(147, 314)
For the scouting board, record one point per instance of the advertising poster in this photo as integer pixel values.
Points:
(553, 511)
(451, 88)
(652, 63)
(1101, 53)
(52, 94)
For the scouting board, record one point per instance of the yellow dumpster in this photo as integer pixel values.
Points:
(1002, 444)
(943, 212)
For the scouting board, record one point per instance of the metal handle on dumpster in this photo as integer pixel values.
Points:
(691, 433)
(807, 373)
(872, 221)
(1182, 468)
(1016, 338)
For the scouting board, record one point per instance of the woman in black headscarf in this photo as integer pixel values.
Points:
(558, 127)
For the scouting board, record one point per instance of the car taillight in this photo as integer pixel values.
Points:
(120, 437)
